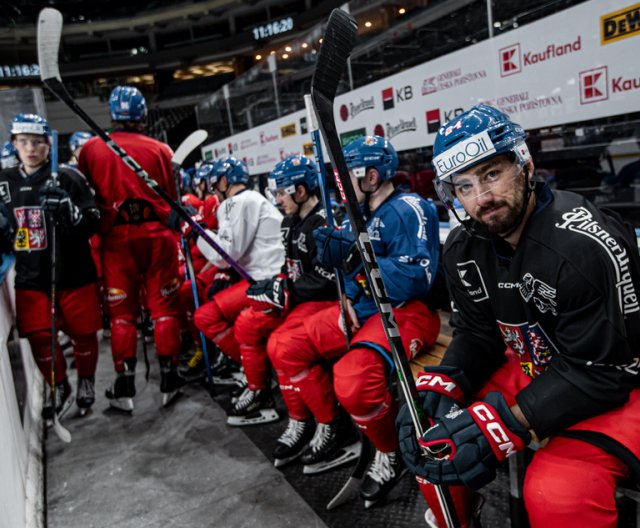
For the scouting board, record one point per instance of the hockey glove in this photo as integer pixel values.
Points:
(177, 223)
(57, 203)
(440, 389)
(6, 230)
(334, 245)
(269, 294)
(466, 445)
(221, 281)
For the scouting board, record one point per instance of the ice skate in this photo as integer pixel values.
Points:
(252, 408)
(86, 395)
(63, 401)
(334, 444)
(170, 382)
(293, 441)
(225, 371)
(121, 393)
(383, 474)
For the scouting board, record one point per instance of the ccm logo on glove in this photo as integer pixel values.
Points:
(505, 444)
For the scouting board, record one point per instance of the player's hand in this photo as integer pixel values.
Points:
(269, 294)
(178, 223)
(334, 245)
(221, 281)
(466, 445)
(56, 202)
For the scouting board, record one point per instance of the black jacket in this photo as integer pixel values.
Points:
(32, 242)
(307, 280)
(566, 300)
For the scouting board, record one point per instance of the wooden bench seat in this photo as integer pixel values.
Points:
(431, 355)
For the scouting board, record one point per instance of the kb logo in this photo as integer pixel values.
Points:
(390, 96)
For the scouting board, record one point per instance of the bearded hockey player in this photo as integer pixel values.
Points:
(302, 288)
(554, 281)
(31, 203)
(138, 250)
(404, 232)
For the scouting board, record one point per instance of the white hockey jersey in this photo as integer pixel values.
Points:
(249, 232)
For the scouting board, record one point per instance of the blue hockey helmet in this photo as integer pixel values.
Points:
(371, 151)
(78, 139)
(202, 174)
(293, 171)
(126, 103)
(471, 138)
(234, 169)
(185, 180)
(9, 156)
(30, 124)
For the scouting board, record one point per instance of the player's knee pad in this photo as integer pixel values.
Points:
(123, 337)
(166, 332)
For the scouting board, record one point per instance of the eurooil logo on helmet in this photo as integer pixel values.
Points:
(471, 138)
(30, 124)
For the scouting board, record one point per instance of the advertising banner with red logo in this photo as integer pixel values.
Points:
(576, 65)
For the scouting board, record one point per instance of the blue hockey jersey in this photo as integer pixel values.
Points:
(404, 233)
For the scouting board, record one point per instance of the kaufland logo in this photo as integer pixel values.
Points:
(512, 60)
(594, 85)
(391, 96)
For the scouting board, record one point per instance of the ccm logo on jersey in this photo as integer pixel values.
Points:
(488, 422)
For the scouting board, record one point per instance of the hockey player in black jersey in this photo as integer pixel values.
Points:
(32, 203)
(546, 321)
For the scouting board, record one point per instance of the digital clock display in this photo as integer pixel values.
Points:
(19, 70)
(272, 28)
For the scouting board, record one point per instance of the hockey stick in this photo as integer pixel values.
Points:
(338, 42)
(192, 142)
(59, 429)
(49, 33)
(350, 488)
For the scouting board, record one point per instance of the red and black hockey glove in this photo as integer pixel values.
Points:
(269, 294)
(221, 281)
(466, 445)
(440, 389)
(176, 222)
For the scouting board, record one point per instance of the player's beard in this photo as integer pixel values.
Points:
(509, 214)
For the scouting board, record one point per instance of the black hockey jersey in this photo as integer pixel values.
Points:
(32, 243)
(307, 280)
(565, 300)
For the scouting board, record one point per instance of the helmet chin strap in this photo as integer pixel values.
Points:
(367, 196)
(477, 229)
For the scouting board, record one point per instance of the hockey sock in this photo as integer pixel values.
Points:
(166, 334)
(85, 352)
(40, 343)
(124, 341)
(379, 426)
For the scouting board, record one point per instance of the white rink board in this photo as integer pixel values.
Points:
(553, 71)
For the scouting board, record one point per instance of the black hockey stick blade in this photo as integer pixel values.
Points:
(49, 33)
(188, 145)
(338, 42)
(351, 488)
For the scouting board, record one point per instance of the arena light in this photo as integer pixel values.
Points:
(258, 57)
(402, 11)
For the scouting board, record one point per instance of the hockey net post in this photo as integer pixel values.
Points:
(49, 34)
(338, 42)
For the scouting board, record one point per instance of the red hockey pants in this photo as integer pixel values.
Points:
(360, 376)
(134, 256)
(78, 316)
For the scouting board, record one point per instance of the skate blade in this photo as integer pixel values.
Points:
(83, 411)
(260, 417)
(372, 501)
(122, 404)
(343, 456)
(349, 491)
(232, 381)
(279, 462)
(169, 397)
